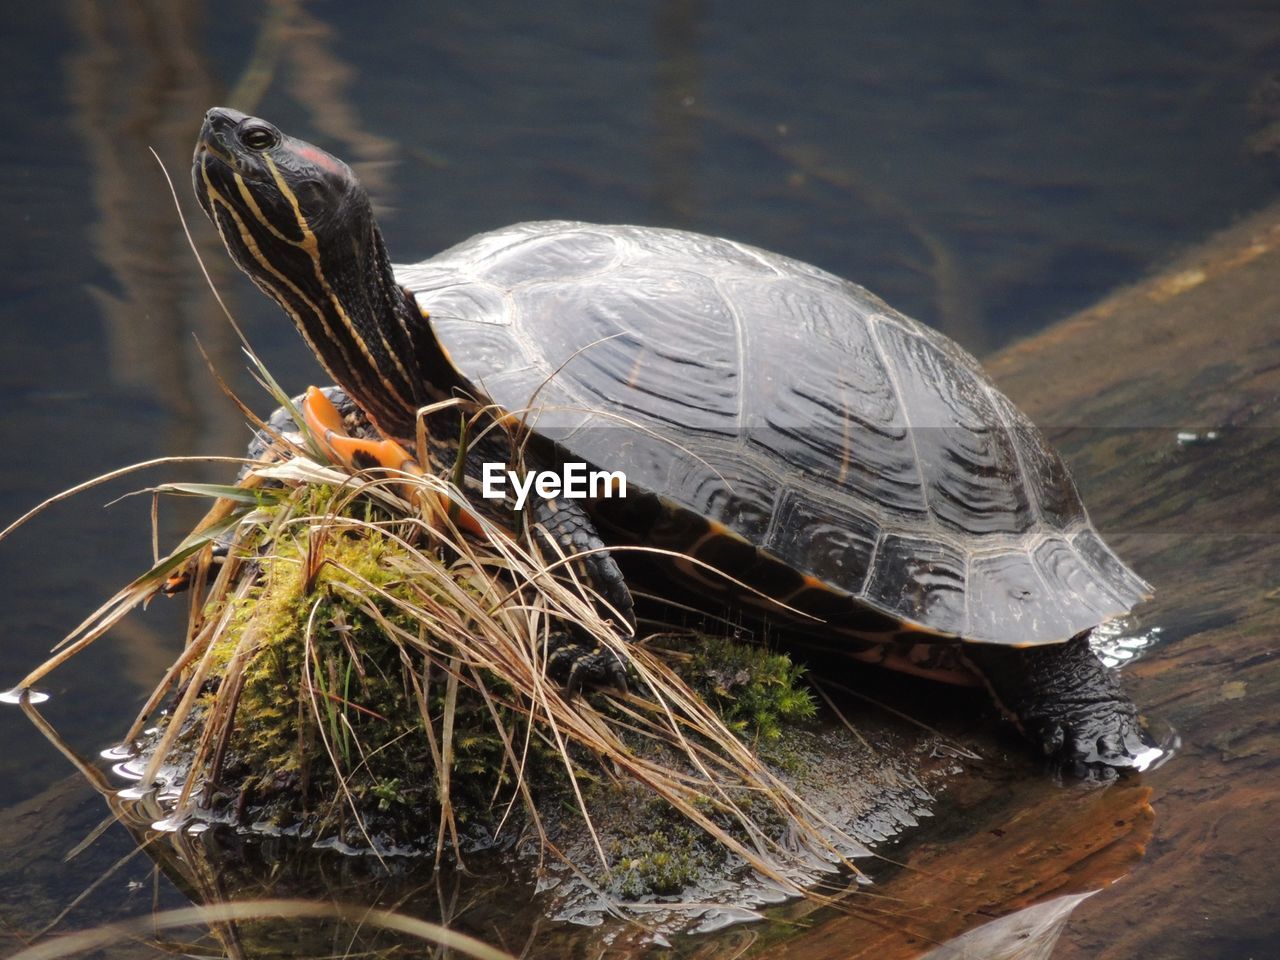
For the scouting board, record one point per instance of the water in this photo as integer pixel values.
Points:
(985, 167)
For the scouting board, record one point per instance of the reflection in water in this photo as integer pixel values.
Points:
(136, 81)
(295, 47)
(1030, 934)
(1031, 845)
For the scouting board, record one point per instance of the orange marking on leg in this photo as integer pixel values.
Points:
(176, 582)
(362, 454)
(326, 423)
(323, 420)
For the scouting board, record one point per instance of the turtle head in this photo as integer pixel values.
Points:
(252, 179)
(299, 223)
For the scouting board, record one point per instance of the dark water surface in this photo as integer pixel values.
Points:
(986, 167)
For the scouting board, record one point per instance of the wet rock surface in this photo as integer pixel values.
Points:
(1193, 351)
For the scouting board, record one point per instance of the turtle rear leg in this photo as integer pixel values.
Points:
(574, 658)
(1067, 702)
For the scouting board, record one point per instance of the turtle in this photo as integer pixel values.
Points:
(807, 449)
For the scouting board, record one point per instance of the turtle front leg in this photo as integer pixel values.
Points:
(371, 451)
(574, 658)
(328, 424)
(565, 524)
(1065, 700)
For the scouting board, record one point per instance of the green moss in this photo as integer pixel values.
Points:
(326, 714)
(661, 862)
(756, 691)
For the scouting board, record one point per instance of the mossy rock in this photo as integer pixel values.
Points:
(329, 739)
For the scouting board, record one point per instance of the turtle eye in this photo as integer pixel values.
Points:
(259, 137)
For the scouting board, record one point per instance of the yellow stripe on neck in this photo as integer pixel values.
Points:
(312, 247)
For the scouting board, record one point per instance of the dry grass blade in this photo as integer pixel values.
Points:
(104, 936)
(105, 478)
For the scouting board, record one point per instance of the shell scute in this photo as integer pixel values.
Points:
(922, 580)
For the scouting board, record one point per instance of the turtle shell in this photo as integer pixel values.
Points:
(785, 410)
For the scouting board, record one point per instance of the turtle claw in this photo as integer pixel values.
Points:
(181, 578)
(1098, 743)
(321, 414)
(1052, 739)
(578, 665)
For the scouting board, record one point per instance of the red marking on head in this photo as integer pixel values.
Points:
(319, 158)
